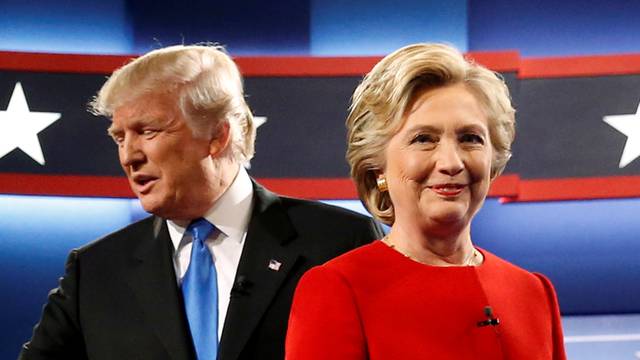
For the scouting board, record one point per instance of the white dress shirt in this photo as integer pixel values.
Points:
(230, 215)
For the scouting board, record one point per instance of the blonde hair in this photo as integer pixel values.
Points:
(379, 103)
(205, 83)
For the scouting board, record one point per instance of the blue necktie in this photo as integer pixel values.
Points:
(200, 292)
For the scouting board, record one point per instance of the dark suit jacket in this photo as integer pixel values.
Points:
(119, 297)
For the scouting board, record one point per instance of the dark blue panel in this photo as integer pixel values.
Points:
(75, 144)
(70, 26)
(550, 27)
(561, 132)
(245, 27)
(589, 249)
(365, 27)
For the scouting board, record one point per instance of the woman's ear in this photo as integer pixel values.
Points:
(381, 181)
(220, 141)
(493, 175)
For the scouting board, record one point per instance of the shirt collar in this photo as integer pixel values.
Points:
(230, 213)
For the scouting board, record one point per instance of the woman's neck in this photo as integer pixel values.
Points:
(437, 248)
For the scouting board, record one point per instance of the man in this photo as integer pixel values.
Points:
(183, 130)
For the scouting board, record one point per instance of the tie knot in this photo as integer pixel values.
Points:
(200, 229)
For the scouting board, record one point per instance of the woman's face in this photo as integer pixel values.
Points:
(438, 164)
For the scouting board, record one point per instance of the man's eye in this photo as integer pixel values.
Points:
(471, 138)
(423, 139)
(118, 139)
(149, 132)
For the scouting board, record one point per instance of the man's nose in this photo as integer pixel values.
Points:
(130, 152)
(449, 161)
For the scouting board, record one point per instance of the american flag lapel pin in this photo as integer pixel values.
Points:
(274, 264)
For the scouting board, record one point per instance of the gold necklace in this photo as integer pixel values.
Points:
(473, 259)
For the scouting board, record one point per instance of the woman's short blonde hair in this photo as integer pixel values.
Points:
(203, 80)
(379, 104)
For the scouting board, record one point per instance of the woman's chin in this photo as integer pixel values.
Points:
(446, 212)
(450, 219)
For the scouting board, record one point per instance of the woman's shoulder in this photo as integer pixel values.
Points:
(506, 272)
(358, 257)
(351, 264)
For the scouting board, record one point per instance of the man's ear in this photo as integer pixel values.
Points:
(220, 140)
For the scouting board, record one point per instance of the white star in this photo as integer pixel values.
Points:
(19, 127)
(257, 121)
(630, 126)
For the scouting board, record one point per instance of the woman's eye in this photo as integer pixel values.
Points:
(471, 138)
(423, 139)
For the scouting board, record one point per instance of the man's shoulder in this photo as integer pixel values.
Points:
(323, 214)
(312, 206)
(303, 207)
(124, 237)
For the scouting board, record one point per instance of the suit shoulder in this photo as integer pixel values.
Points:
(330, 220)
(308, 207)
(123, 237)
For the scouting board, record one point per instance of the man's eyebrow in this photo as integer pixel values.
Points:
(112, 130)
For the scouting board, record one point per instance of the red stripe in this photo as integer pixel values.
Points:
(505, 185)
(305, 66)
(351, 66)
(578, 188)
(503, 61)
(65, 185)
(578, 66)
(508, 187)
(57, 63)
(335, 189)
(298, 66)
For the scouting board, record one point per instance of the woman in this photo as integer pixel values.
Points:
(428, 132)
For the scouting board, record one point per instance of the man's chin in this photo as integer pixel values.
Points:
(165, 209)
(152, 206)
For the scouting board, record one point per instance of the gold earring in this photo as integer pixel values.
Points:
(382, 184)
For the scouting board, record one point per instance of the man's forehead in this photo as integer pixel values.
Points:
(148, 102)
(140, 120)
(142, 112)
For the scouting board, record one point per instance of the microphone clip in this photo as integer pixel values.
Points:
(491, 320)
(241, 286)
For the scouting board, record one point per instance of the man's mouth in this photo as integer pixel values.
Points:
(143, 183)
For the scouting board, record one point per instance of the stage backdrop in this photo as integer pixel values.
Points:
(577, 141)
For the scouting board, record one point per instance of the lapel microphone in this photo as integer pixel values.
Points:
(240, 286)
(491, 320)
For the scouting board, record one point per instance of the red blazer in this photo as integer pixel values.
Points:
(374, 303)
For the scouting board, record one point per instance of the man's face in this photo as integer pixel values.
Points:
(169, 169)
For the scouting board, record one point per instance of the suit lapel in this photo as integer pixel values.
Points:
(154, 283)
(264, 265)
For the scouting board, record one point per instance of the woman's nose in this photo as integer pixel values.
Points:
(448, 159)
